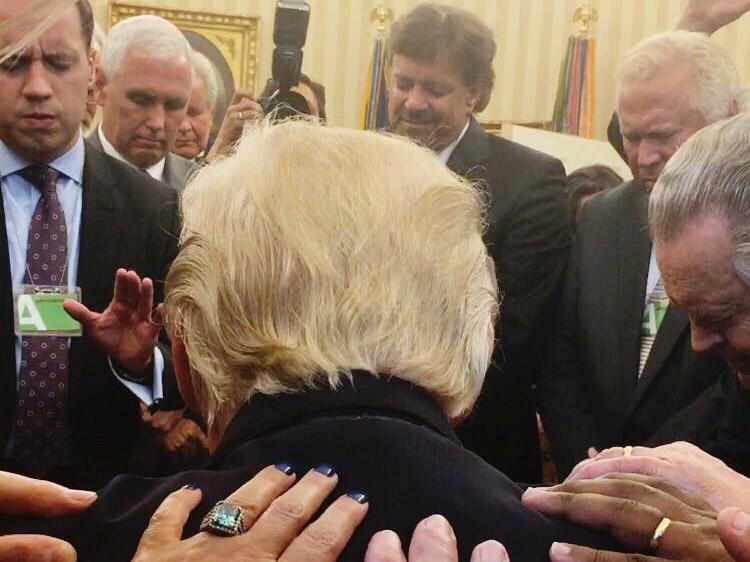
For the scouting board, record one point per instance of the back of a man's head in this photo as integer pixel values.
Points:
(431, 29)
(370, 256)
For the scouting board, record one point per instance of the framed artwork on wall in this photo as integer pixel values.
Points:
(229, 42)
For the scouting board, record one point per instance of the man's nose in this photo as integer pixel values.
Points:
(185, 126)
(36, 85)
(416, 100)
(649, 154)
(156, 118)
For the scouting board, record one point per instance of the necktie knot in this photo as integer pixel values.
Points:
(43, 178)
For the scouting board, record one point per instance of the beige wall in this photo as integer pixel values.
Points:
(531, 35)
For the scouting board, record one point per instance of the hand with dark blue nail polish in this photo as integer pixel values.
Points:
(325, 470)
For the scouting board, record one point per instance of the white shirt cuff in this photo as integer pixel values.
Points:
(145, 393)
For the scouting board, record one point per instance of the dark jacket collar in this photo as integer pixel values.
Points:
(473, 149)
(365, 394)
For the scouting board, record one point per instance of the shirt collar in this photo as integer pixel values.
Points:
(447, 152)
(156, 171)
(69, 164)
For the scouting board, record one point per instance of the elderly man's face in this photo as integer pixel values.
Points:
(656, 117)
(429, 101)
(143, 106)
(43, 91)
(192, 136)
(699, 276)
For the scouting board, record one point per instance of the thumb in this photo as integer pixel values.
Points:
(79, 311)
(733, 526)
(35, 548)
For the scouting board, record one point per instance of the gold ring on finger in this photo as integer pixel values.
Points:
(661, 528)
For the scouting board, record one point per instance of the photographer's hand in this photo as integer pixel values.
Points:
(244, 109)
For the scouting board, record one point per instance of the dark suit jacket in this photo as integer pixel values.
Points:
(130, 221)
(176, 168)
(385, 438)
(528, 238)
(731, 440)
(590, 394)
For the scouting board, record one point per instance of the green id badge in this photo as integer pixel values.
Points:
(38, 311)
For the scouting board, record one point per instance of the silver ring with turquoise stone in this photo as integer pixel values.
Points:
(225, 520)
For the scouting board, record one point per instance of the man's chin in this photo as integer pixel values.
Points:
(144, 159)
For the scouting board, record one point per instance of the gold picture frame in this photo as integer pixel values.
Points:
(234, 37)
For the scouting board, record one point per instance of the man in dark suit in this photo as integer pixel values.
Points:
(144, 86)
(621, 371)
(73, 215)
(435, 87)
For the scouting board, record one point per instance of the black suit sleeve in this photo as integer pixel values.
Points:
(731, 440)
(530, 265)
(562, 390)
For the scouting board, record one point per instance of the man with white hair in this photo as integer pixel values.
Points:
(145, 85)
(192, 136)
(621, 371)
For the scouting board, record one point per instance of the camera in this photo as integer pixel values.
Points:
(289, 36)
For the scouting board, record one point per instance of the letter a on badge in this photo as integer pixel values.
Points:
(29, 318)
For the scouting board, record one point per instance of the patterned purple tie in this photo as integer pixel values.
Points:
(39, 436)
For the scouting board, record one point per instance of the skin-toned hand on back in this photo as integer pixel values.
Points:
(682, 464)
(21, 495)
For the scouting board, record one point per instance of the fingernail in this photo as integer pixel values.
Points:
(490, 551)
(285, 467)
(325, 470)
(82, 496)
(741, 522)
(440, 526)
(560, 552)
(359, 497)
(531, 493)
(191, 487)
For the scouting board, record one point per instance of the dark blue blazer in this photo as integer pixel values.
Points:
(384, 437)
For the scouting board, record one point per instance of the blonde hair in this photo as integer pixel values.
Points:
(709, 174)
(42, 14)
(314, 251)
(717, 83)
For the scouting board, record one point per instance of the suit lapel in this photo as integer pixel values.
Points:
(672, 327)
(98, 238)
(471, 152)
(633, 256)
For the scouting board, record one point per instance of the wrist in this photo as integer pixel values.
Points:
(137, 373)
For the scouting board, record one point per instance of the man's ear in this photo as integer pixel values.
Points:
(473, 98)
(101, 83)
(734, 108)
(181, 366)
